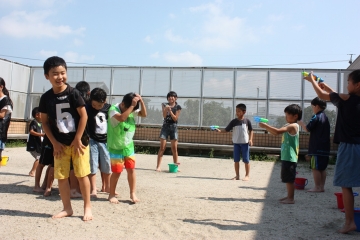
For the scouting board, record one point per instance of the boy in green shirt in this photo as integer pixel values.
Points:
(121, 130)
(289, 148)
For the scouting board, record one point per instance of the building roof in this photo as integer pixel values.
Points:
(355, 64)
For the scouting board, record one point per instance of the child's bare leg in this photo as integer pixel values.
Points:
(247, 172)
(113, 182)
(132, 184)
(85, 192)
(93, 190)
(74, 186)
(237, 171)
(323, 180)
(43, 185)
(33, 169)
(106, 177)
(160, 153)
(348, 199)
(64, 189)
(38, 172)
(50, 181)
(317, 181)
(174, 150)
(103, 186)
(290, 194)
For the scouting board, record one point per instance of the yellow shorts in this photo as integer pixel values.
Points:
(81, 163)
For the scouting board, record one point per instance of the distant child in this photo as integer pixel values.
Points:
(84, 89)
(46, 158)
(97, 110)
(6, 108)
(121, 130)
(319, 143)
(242, 138)
(289, 148)
(64, 120)
(347, 135)
(35, 139)
(171, 112)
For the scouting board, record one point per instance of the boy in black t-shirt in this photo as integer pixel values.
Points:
(319, 143)
(64, 120)
(34, 140)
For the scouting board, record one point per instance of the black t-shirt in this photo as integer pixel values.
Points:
(5, 122)
(241, 129)
(347, 128)
(319, 128)
(62, 113)
(34, 142)
(97, 122)
(168, 119)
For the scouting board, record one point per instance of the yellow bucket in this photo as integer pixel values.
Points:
(4, 160)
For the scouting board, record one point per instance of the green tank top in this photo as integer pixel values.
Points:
(120, 136)
(290, 146)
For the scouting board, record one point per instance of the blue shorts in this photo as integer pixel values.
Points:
(319, 162)
(347, 166)
(244, 150)
(99, 156)
(2, 145)
(169, 130)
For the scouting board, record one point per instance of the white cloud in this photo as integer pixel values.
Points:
(184, 59)
(21, 24)
(77, 42)
(155, 55)
(217, 31)
(148, 39)
(47, 54)
(74, 57)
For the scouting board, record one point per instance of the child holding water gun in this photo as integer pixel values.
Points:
(242, 138)
(171, 113)
(347, 135)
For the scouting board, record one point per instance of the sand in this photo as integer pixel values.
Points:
(200, 202)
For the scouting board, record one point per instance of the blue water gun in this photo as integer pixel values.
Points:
(260, 119)
(316, 78)
(214, 127)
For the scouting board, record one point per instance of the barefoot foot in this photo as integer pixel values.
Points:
(63, 213)
(133, 197)
(246, 178)
(47, 192)
(38, 190)
(287, 201)
(348, 228)
(32, 174)
(75, 194)
(87, 214)
(158, 169)
(235, 178)
(315, 190)
(113, 199)
(282, 199)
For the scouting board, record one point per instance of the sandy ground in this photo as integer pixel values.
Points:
(200, 202)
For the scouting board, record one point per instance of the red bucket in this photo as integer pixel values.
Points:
(300, 183)
(339, 198)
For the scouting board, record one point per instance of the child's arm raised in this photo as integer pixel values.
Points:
(121, 117)
(290, 128)
(76, 143)
(36, 134)
(58, 147)
(175, 116)
(142, 112)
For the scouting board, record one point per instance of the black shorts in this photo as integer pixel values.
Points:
(47, 154)
(319, 162)
(288, 171)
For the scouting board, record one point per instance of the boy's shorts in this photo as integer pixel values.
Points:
(169, 130)
(99, 155)
(288, 171)
(319, 162)
(81, 163)
(35, 154)
(2, 145)
(244, 150)
(47, 155)
(118, 162)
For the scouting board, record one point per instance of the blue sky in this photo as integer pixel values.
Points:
(232, 33)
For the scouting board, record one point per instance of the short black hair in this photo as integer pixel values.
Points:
(319, 102)
(35, 111)
(171, 94)
(241, 106)
(294, 109)
(127, 100)
(355, 76)
(84, 88)
(53, 62)
(98, 95)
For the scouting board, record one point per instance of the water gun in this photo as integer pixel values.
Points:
(318, 79)
(214, 127)
(259, 119)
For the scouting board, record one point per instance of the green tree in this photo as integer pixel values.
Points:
(190, 113)
(154, 116)
(214, 113)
